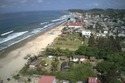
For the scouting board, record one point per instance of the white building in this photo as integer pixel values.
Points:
(100, 35)
(105, 32)
(86, 33)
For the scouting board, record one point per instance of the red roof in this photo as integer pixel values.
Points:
(92, 80)
(47, 79)
(74, 24)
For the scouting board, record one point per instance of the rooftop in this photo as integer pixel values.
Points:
(74, 24)
(47, 79)
(92, 80)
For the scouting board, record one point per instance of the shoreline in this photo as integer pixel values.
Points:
(23, 42)
(12, 60)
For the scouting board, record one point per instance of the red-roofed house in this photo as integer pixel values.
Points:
(74, 25)
(92, 80)
(47, 79)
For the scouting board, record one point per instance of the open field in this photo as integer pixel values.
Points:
(68, 41)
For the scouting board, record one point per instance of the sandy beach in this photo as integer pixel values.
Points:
(13, 60)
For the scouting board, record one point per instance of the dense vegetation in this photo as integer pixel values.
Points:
(109, 49)
(77, 72)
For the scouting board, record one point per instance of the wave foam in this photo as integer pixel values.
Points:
(6, 33)
(12, 36)
(44, 23)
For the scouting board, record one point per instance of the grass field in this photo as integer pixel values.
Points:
(68, 41)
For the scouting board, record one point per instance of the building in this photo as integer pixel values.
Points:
(74, 25)
(86, 33)
(64, 66)
(92, 59)
(105, 32)
(47, 79)
(92, 80)
(35, 63)
(100, 35)
(63, 57)
(77, 58)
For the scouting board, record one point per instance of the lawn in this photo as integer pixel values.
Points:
(68, 41)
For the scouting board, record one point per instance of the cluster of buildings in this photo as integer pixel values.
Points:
(98, 24)
(80, 23)
(76, 24)
(64, 66)
(104, 25)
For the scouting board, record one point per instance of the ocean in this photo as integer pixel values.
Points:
(15, 27)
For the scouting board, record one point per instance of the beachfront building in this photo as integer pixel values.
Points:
(74, 25)
(35, 63)
(47, 79)
(86, 33)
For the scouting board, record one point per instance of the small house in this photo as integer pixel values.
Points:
(64, 66)
(47, 79)
(77, 58)
(64, 81)
(92, 80)
(86, 33)
(105, 32)
(35, 63)
(92, 59)
(63, 57)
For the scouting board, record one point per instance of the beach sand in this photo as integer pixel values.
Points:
(13, 60)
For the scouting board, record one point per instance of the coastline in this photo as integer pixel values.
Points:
(13, 55)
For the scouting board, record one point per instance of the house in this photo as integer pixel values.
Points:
(92, 58)
(64, 66)
(47, 79)
(100, 35)
(74, 25)
(92, 80)
(63, 57)
(86, 33)
(35, 63)
(77, 58)
(64, 81)
(105, 32)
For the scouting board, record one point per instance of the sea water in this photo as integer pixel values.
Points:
(15, 27)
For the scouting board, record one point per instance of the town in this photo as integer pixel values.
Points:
(90, 49)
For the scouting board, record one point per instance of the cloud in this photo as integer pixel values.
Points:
(96, 4)
(23, 1)
(3, 6)
(40, 1)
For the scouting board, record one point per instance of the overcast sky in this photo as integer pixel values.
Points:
(35, 5)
